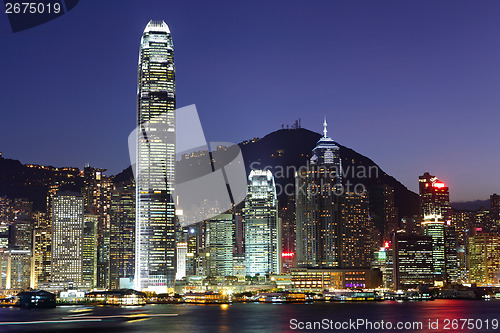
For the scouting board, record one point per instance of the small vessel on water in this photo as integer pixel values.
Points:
(36, 299)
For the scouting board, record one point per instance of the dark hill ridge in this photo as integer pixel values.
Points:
(293, 147)
(285, 148)
(30, 181)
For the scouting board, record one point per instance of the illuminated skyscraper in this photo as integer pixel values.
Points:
(97, 197)
(122, 240)
(434, 197)
(155, 213)
(317, 207)
(495, 211)
(354, 235)
(41, 249)
(89, 250)
(67, 237)
(413, 264)
(219, 236)
(484, 256)
(262, 240)
(15, 269)
(435, 229)
(333, 223)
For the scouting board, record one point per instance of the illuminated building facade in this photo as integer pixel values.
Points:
(413, 264)
(219, 232)
(67, 239)
(21, 233)
(41, 249)
(495, 211)
(122, 240)
(435, 229)
(318, 279)
(317, 207)
(155, 212)
(15, 268)
(383, 261)
(262, 238)
(97, 200)
(434, 197)
(354, 235)
(89, 250)
(182, 251)
(484, 259)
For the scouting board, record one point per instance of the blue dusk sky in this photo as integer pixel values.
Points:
(414, 85)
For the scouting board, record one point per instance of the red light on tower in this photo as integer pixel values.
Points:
(438, 185)
(386, 245)
(287, 254)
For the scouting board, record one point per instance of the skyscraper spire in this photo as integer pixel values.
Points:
(324, 128)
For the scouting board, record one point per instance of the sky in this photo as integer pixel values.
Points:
(413, 85)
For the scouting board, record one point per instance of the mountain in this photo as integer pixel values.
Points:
(293, 147)
(31, 181)
(282, 151)
(471, 205)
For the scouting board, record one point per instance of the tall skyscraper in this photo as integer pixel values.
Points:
(413, 264)
(67, 237)
(97, 198)
(333, 224)
(434, 197)
(155, 165)
(219, 232)
(317, 207)
(122, 240)
(21, 233)
(495, 211)
(41, 249)
(262, 239)
(391, 224)
(354, 235)
(89, 250)
(435, 229)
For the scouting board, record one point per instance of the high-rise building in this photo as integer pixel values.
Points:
(413, 264)
(495, 211)
(155, 164)
(219, 245)
(41, 249)
(434, 197)
(4, 236)
(451, 253)
(391, 224)
(122, 240)
(333, 226)
(97, 200)
(15, 269)
(484, 259)
(354, 232)
(196, 257)
(89, 250)
(67, 239)
(435, 229)
(287, 216)
(21, 233)
(182, 250)
(383, 261)
(317, 207)
(262, 239)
